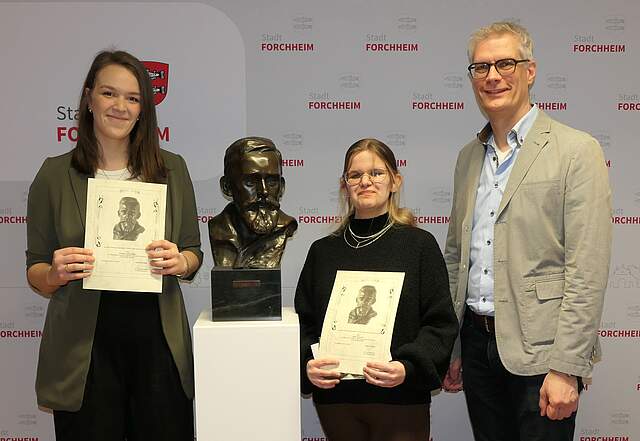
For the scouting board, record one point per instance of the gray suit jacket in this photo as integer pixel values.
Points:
(56, 212)
(552, 243)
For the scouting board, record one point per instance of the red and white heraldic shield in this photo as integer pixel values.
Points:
(159, 74)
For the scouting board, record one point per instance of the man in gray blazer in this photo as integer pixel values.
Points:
(527, 252)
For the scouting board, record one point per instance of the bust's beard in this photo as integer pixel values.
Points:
(127, 226)
(261, 219)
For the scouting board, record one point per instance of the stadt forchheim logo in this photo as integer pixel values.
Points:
(609, 38)
(159, 75)
(628, 102)
(427, 101)
(397, 42)
(313, 215)
(322, 100)
(205, 214)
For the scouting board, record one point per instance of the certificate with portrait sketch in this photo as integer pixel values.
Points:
(123, 217)
(358, 324)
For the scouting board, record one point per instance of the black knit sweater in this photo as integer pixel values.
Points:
(425, 327)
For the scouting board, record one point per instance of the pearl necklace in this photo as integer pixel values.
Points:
(363, 241)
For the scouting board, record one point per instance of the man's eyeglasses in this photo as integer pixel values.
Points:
(506, 66)
(377, 175)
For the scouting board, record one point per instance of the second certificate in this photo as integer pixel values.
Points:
(358, 325)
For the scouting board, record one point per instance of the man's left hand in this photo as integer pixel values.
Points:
(558, 395)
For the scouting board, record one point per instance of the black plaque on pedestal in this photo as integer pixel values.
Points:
(242, 294)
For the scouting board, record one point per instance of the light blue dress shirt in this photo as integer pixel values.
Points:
(493, 180)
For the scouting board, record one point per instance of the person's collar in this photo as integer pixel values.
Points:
(520, 129)
(365, 227)
(484, 134)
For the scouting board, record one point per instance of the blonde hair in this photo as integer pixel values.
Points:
(500, 28)
(397, 214)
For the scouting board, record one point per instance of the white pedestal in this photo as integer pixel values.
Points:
(247, 377)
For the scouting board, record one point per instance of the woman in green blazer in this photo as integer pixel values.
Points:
(113, 365)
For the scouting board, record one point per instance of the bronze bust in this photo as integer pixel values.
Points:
(251, 231)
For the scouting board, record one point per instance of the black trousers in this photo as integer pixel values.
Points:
(503, 406)
(374, 422)
(133, 390)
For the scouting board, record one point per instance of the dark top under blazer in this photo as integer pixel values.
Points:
(425, 327)
(56, 212)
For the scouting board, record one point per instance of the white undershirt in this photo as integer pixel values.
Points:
(113, 175)
(502, 156)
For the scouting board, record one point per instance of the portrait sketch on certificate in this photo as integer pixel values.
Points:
(358, 324)
(123, 217)
(127, 226)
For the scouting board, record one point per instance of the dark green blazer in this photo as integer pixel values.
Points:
(56, 216)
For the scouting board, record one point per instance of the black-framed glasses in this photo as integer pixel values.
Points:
(377, 175)
(506, 66)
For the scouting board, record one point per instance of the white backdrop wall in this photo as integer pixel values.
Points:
(315, 77)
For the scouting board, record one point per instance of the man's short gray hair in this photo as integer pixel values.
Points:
(500, 28)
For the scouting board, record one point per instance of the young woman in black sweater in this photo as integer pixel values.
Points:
(391, 401)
